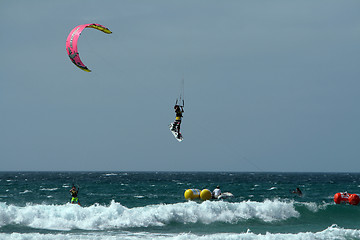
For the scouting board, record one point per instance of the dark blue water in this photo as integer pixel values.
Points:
(151, 205)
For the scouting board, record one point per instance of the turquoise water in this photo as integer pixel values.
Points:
(151, 205)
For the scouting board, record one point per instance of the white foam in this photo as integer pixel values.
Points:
(116, 216)
(332, 232)
(315, 207)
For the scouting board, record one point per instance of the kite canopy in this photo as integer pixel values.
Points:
(72, 39)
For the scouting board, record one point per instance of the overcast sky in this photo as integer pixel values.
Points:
(269, 86)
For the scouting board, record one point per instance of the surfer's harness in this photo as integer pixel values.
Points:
(179, 112)
(73, 193)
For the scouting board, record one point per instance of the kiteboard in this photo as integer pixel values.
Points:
(176, 135)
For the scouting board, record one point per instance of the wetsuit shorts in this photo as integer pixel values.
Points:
(74, 200)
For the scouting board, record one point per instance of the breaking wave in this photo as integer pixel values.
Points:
(117, 216)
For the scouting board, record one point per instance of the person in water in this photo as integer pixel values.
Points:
(176, 127)
(217, 192)
(74, 193)
(298, 192)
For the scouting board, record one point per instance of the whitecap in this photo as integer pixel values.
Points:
(26, 191)
(314, 207)
(110, 174)
(48, 189)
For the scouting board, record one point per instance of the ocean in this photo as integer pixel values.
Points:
(151, 205)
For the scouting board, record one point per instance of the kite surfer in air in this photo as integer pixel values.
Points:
(74, 193)
(176, 126)
(179, 109)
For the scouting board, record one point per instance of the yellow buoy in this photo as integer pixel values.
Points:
(205, 194)
(192, 194)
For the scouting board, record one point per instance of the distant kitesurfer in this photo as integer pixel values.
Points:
(74, 193)
(298, 192)
(217, 192)
(176, 127)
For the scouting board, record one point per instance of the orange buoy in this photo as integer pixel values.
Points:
(345, 197)
(354, 199)
(341, 197)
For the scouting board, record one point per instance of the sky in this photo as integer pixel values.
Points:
(269, 86)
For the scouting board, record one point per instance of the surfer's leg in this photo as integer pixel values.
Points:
(174, 126)
(178, 126)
